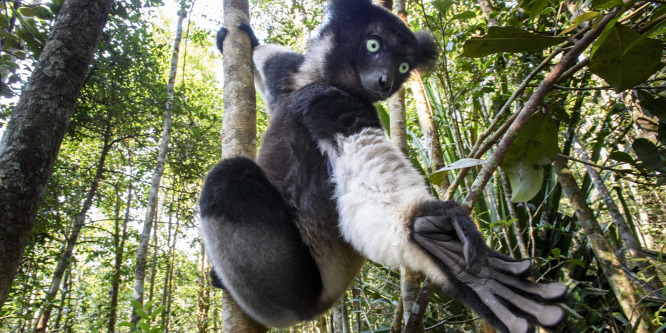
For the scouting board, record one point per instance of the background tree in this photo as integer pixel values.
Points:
(32, 139)
(239, 125)
(151, 209)
(597, 116)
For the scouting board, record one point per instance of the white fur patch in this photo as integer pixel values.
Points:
(376, 191)
(260, 56)
(312, 69)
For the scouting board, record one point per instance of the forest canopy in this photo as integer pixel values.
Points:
(547, 118)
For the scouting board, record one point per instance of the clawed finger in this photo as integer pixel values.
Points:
(549, 291)
(513, 323)
(454, 261)
(513, 267)
(547, 315)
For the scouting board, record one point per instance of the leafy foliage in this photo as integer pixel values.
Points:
(491, 65)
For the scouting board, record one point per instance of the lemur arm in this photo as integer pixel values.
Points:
(388, 214)
(272, 63)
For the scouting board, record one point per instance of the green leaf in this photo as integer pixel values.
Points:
(28, 11)
(653, 32)
(605, 4)
(127, 324)
(525, 180)
(604, 34)
(576, 21)
(507, 39)
(623, 157)
(142, 314)
(464, 15)
(536, 7)
(648, 154)
(384, 117)
(556, 252)
(157, 329)
(136, 304)
(535, 146)
(577, 262)
(144, 326)
(157, 311)
(443, 5)
(653, 104)
(149, 304)
(536, 143)
(624, 70)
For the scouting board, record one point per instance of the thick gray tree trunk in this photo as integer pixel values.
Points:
(151, 209)
(239, 126)
(32, 140)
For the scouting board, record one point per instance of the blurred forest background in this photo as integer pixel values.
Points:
(581, 191)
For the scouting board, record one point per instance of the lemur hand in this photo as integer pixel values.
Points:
(493, 284)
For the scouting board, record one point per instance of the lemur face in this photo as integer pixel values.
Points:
(384, 60)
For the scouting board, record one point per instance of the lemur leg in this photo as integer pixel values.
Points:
(255, 248)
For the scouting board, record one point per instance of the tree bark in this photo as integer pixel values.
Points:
(624, 291)
(629, 236)
(66, 258)
(38, 124)
(239, 132)
(151, 209)
(340, 320)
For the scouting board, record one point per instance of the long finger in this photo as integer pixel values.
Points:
(548, 291)
(513, 323)
(547, 315)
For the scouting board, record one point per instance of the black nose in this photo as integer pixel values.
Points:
(384, 83)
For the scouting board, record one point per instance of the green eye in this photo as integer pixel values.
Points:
(372, 45)
(404, 68)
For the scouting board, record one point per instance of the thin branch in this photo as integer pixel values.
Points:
(530, 107)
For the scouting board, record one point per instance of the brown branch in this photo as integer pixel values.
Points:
(529, 108)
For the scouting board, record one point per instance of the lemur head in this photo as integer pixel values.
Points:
(366, 50)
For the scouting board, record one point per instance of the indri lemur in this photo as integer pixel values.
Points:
(286, 235)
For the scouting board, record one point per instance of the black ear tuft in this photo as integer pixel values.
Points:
(349, 10)
(428, 50)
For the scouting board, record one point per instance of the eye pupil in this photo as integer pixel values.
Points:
(404, 67)
(372, 45)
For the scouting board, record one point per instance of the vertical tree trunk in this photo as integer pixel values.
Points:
(629, 236)
(168, 280)
(167, 271)
(37, 127)
(66, 258)
(66, 285)
(239, 125)
(624, 291)
(202, 304)
(340, 321)
(151, 209)
(117, 265)
(153, 268)
(428, 128)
